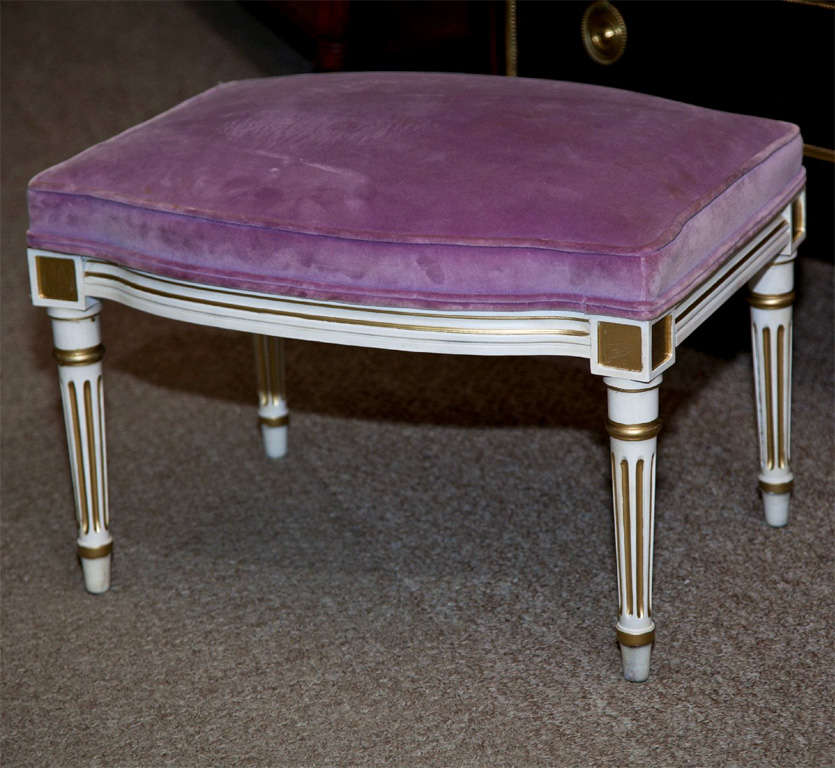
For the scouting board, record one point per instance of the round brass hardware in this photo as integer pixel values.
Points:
(604, 32)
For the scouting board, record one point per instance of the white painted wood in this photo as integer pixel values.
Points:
(272, 394)
(771, 342)
(633, 407)
(481, 333)
(636, 662)
(77, 343)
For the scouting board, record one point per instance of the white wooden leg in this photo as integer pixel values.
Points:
(633, 427)
(771, 299)
(273, 414)
(78, 351)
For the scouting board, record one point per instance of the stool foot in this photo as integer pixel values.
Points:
(272, 400)
(635, 662)
(275, 440)
(96, 574)
(776, 508)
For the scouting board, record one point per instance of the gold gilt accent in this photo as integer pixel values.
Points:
(91, 553)
(662, 340)
(639, 534)
(777, 487)
(798, 219)
(627, 533)
(511, 49)
(617, 532)
(276, 421)
(650, 510)
(781, 432)
(636, 641)
(91, 455)
(769, 413)
(56, 278)
(771, 300)
(268, 354)
(604, 32)
(261, 357)
(812, 150)
(643, 431)
(103, 455)
(79, 356)
(80, 472)
(619, 346)
(632, 391)
(355, 321)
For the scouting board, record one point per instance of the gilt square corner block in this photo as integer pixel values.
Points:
(433, 212)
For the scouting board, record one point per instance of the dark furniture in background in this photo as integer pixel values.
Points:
(773, 59)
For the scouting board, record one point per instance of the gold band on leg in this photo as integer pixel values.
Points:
(276, 421)
(91, 553)
(643, 431)
(776, 487)
(636, 641)
(771, 300)
(79, 356)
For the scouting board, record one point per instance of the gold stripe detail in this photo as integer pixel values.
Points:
(91, 455)
(781, 225)
(103, 454)
(650, 512)
(352, 321)
(781, 432)
(627, 533)
(819, 153)
(636, 641)
(639, 534)
(277, 421)
(80, 472)
(798, 219)
(769, 414)
(510, 39)
(261, 361)
(275, 347)
(621, 588)
(771, 300)
(91, 553)
(776, 487)
(643, 431)
(78, 356)
(56, 278)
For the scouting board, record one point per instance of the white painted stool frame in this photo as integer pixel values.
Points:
(630, 354)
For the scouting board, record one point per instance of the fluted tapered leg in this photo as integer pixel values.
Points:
(273, 414)
(78, 351)
(771, 299)
(633, 427)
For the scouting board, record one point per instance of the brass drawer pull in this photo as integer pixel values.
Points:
(604, 32)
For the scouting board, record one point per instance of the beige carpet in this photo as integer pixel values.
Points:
(428, 578)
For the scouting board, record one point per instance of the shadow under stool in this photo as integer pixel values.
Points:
(463, 214)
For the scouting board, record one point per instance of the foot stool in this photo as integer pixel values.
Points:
(442, 213)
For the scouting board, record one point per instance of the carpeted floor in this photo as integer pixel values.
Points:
(428, 578)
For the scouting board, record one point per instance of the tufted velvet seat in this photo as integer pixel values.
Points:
(427, 212)
(436, 191)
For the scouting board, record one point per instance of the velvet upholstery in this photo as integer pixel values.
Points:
(426, 190)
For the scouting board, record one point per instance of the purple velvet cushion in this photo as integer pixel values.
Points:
(426, 190)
